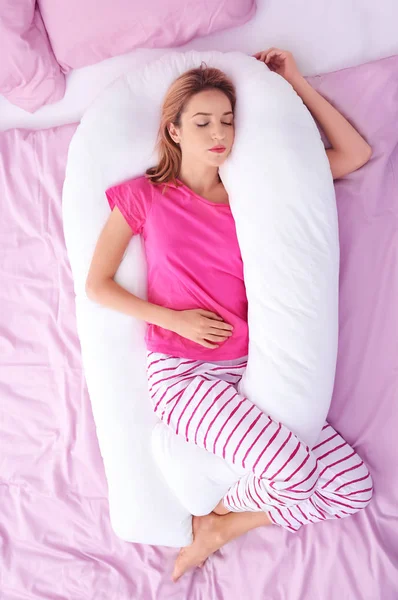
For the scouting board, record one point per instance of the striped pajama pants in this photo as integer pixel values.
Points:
(293, 484)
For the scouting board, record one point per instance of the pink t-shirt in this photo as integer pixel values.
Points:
(193, 260)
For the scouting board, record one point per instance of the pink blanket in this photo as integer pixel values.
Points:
(56, 540)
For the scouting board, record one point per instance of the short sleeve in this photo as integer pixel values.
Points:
(134, 200)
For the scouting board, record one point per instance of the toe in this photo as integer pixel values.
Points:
(180, 565)
(187, 558)
(177, 573)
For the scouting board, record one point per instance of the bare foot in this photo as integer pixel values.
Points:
(207, 538)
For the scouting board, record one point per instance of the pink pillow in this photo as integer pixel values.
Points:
(83, 32)
(29, 73)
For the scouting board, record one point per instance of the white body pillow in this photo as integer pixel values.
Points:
(282, 197)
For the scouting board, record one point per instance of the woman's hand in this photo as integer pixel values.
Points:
(200, 326)
(281, 62)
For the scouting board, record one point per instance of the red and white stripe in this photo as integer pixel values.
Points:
(199, 400)
(344, 486)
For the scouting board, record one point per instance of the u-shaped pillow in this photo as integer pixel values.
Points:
(282, 198)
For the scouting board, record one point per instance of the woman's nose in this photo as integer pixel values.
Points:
(218, 133)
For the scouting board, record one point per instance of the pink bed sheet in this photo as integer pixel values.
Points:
(55, 536)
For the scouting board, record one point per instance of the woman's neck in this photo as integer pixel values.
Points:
(201, 180)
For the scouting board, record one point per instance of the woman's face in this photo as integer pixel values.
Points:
(201, 132)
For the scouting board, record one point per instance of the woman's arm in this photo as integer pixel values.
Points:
(201, 326)
(349, 150)
(100, 285)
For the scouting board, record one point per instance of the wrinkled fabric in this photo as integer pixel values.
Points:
(29, 73)
(108, 29)
(56, 540)
(200, 402)
(174, 224)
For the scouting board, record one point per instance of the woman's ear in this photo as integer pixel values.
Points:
(173, 133)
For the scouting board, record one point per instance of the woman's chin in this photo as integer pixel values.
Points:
(218, 159)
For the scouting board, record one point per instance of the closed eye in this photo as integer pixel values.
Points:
(204, 124)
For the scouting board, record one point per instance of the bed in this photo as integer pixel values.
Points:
(57, 541)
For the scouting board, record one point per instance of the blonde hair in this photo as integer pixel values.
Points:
(182, 89)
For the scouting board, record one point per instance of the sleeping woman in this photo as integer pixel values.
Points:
(196, 314)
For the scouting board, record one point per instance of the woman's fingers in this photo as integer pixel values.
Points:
(266, 55)
(215, 338)
(207, 344)
(215, 320)
(274, 54)
(260, 55)
(262, 52)
(220, 326)
(219, 332)
(210, 315)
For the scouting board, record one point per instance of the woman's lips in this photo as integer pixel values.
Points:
(218, 149)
